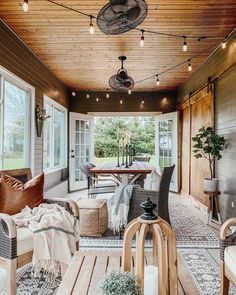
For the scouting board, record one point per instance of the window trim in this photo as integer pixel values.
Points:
(50, 101)
(6, 75)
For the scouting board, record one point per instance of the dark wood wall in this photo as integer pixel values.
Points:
(16, 57)
(153, 102)
(221, 66)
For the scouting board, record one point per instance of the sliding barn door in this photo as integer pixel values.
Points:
(195, 113)
(201, 115)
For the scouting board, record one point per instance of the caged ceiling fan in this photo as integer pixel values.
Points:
(120, 16)
(121, 81)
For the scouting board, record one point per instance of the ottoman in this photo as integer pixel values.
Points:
(93, 216)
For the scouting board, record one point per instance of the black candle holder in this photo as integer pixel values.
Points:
(123, 151)
(148, 207)
(130, 156)
(118, 153)
(126, 156)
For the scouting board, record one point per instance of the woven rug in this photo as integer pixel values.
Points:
(201, 265)
(190, 231)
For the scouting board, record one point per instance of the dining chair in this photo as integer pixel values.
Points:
(160, 197)
(95, 185)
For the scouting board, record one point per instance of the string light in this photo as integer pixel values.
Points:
(91, 27)
(25, 6)
(129, 91)
(142, 39)
(158, 81)
(189, 65)
(73, 93)
(142, 102)
(87, 95)
(121, 101)
(185, 46)
(107, 95)
(223, 45)
(97, 99)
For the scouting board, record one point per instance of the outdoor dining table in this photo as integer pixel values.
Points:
(121, 174)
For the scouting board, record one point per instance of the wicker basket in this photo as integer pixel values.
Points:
(93, 217)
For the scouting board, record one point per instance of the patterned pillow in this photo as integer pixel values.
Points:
(152, 181)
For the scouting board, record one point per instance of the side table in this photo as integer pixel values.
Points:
(213, 197)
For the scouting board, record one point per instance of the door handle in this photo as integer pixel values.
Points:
(72, 156)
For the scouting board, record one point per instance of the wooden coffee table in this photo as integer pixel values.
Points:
(88, 268)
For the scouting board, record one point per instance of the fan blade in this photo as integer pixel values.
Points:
(133, 13)
(118, 6)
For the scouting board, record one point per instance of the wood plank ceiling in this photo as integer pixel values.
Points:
(61, 40)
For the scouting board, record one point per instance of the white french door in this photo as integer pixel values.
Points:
(167, 144)
(81, 148)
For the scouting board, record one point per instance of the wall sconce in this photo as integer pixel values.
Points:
(40, 117)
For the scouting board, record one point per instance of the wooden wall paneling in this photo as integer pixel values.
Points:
(185, 150)
(201, 115)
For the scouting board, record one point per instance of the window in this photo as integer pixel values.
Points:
(15, 122)
(55, 136)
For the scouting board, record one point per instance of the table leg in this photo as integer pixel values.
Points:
(210, 209)
(218, 209)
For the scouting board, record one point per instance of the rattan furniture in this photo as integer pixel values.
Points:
(160, 197)
(16, 244)
(228, 255)
(93, 215)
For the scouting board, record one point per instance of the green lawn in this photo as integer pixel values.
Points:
(114, 159)
(13, 163)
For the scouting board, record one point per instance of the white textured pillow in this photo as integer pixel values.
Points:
(152, 181)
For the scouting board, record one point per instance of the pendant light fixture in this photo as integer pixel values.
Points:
(87, 95)
(158, 81)
(121, 101)
(185, 46)
(25, 5)
(97, 99)
(142, 39)
(73, 93)
(129, 91)
(189, 65)
(91, 27)
(223, 45)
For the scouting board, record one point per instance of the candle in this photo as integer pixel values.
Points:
(151, 280)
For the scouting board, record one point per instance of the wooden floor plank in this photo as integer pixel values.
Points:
(69, 279)
(114, 262)
(185, 278)
(98, 274)
(83, 281)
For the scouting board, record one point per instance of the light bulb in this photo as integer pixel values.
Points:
(142, 102)
(223, 45)
(73, 93)
(87, 95)
(121, 101)
(107, 95)
(189, 66)
(158, 81)
(91, 27)
(129, 91)
(185, 46)
(25, 6)
(142, 39)
(97, 99)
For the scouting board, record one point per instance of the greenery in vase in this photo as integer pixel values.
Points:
(41, 114)
(120, 284)
(207, 144)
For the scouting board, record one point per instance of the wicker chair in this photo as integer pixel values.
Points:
(160, 198)
(227, 256)
(16, 244)
(94, 183)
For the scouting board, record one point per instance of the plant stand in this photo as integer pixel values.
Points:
(213, 199)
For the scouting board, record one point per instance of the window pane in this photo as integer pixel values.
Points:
(58, 137)
(16, 127)
(47, 138)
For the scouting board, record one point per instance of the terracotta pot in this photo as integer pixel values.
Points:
(39, 127)
(211, 185)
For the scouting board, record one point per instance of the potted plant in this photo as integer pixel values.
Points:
(207, 144)
(124, 283)
(41, 117)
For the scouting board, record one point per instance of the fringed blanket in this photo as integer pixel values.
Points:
(55, 233)
(120, 206)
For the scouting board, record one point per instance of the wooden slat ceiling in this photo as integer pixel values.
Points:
(61, 40)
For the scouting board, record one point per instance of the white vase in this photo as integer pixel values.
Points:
(211, 185)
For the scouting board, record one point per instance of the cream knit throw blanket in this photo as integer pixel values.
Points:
(55, 233)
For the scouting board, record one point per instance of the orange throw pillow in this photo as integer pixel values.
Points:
(14, 195)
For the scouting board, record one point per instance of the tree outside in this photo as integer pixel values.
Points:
(107, 129)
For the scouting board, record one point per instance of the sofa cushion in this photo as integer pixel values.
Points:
(25, 241)
(14, 195)
(152, 181)
(230, 262)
